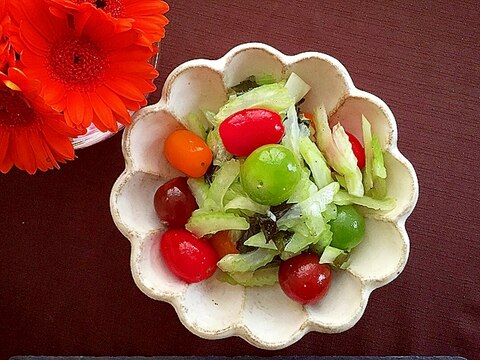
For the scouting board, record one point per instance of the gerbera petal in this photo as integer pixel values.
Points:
(145, 7)
(135, 53)
(133, 105)
(116, 104)
(43, 159)
(4, 143)
(103, 117)
(124, 88)
(54, 94)
(144, 86)
(37, 15)
(25, 156)
(117, 40)
(34, 39)
(75, 108)
(60, 146)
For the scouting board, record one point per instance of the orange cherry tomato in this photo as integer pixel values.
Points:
(187, 152)
(223, 244)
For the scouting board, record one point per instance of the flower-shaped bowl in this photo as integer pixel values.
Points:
(263, 316)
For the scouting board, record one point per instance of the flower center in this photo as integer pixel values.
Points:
(15, 110)
(77, 63)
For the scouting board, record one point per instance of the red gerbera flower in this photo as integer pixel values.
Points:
(88, 71)
(32, 135)
(146, 16)
(7, 55)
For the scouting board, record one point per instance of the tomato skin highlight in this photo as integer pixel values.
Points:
(174, 202)
(247, 130)
(187, 152)
(303, 279)
(358, 150)
(189, 258)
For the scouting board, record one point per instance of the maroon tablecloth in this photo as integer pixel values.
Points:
(65, 282)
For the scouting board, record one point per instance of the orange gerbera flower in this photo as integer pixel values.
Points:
(32, 135)
(88, 71)
(146, 16)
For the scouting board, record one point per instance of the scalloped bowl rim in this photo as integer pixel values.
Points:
(218, 65)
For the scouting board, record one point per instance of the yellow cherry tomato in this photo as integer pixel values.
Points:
(187, 152)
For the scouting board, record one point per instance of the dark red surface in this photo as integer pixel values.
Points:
(65, 282)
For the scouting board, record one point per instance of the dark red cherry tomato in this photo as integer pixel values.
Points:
(174, 202)
(358, 150)
(191, 259)
(303, 279)
(249, 129)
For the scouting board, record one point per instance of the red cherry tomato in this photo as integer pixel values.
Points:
(303, 279)
(358, 150)
(191, 259)
(174, 202)
(249, 129)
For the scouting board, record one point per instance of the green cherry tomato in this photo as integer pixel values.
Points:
(348, 228)
(269, 174)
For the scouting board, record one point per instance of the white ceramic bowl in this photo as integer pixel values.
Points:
(264, 317)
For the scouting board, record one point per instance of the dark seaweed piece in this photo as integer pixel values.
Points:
(297, 105)
(280, 210)
(252, 230)
(269, 228)
(245, 85)
(209, 174)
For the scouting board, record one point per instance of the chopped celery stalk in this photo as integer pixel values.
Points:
(341, 180)
(340, 156)
(298, 242)
(378, 166)
(264, 276)
(297, 88)
(265, 79)
(258, 240)
(330, 212)
(329, 255)
(316, 162)
(323, 134)
(199, 189)
(197, 124)
(374, 173)
(309, 208)
(223, 178)
(210, 117)
(249, 261)
(292, 132)
(379, 190)
(204, 222)
(245, 203)
(215, 143)
(367, 143)
(337, 148)
(304, 188)
(273, 97)
(315, 222)
(344, 198)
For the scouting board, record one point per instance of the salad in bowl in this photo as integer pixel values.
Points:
(264, 196)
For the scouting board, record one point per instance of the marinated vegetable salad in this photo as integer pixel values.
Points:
(269, 193)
